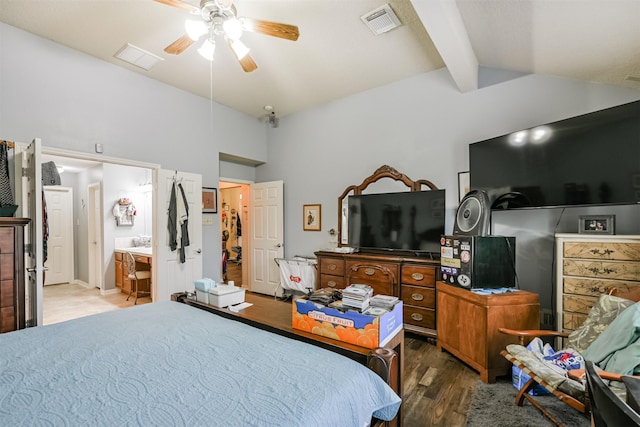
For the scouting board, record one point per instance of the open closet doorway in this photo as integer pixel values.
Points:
(233, 205)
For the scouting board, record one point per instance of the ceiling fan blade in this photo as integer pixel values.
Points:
(273, 29)
(180, 5)
(179, 46)
(248, 64)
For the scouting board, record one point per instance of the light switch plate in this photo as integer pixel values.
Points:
(207, 220)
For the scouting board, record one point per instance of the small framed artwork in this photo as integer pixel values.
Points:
(464, 184)
(596, 224)
(311, 217)
(209, 200)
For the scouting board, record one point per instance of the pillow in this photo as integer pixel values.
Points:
(600, 316)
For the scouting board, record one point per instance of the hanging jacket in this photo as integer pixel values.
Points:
(172, 222)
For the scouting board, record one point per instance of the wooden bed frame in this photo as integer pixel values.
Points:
(275, 316)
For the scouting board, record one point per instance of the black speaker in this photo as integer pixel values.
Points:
(478, 261)
(473, 216)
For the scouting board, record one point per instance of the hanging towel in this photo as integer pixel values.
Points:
(50, 175)
(6, 192)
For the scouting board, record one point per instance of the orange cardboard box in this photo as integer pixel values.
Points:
(352, 327)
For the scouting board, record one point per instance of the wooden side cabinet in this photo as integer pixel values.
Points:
(12, 294)
(468, 325)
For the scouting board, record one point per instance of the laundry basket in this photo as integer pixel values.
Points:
(297, 276)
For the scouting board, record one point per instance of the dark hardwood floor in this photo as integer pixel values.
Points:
(437, 386)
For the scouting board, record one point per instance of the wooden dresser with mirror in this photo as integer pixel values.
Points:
(410, 277)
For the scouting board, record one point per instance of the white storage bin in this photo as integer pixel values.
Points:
(224, 295)
(202, 296)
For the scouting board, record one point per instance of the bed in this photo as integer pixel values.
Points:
(172, 364)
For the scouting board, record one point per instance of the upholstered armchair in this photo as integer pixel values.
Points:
(616, 351)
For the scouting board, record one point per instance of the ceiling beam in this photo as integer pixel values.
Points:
(442, 20)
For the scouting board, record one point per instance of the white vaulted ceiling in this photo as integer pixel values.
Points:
(337, 55)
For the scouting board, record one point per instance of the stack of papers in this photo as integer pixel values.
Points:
(384, 301)
(357, 296)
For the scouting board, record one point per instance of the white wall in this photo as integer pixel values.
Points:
(73, 101)
(421, 126)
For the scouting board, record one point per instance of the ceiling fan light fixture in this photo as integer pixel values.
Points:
(232, 28)
(195, 29)
(207, 49)
(239, 48)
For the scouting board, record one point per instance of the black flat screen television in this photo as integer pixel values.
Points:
(592, 159)
(410, 221)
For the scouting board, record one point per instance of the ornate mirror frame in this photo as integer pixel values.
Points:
(384, 171)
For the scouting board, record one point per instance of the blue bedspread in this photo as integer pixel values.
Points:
(168, 364)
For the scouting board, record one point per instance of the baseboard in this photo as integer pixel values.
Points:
(110, 291)
(82, 283)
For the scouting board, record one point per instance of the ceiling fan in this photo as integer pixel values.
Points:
(220, 18)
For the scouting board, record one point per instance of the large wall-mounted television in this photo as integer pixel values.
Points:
(410, 221)
(592, 159)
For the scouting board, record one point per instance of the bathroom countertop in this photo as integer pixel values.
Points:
(137, 250)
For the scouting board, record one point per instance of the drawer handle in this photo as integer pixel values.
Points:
(417, 276)
(369, 271)
(331, 284)
(332, 267)
(417, 317)
(604, 271)
(417, 297)
(605, 253)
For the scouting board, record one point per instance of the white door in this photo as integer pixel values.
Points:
(59, 264)
(94, 223)
(170, 274)
(29, 193)
(267, 235)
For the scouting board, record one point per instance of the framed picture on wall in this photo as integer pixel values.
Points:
(311, 217)
(209, 200)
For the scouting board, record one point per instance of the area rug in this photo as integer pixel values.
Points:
(494, 405)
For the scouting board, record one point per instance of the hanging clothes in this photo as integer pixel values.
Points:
(178, 220)
(50, 174)
(172, 224)
(183, 218)
(45, 229)
(6, 192)
(238, 227)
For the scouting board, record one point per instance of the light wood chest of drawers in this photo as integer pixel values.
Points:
(589, 265)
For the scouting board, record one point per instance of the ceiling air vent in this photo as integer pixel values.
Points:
(381, 20)
(138, 57)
